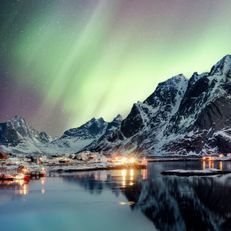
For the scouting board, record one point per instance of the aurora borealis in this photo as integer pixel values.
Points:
(63, 62)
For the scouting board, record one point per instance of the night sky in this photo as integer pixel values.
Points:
(63, 62)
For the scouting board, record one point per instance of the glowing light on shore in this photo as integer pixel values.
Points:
(124, 160)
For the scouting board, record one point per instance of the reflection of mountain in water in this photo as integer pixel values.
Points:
(172, 203)
(117, 181)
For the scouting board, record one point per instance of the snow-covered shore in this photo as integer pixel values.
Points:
(204, 172)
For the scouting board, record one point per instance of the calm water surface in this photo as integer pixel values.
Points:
(136, 200)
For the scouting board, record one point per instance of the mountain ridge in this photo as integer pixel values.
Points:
(182, 116)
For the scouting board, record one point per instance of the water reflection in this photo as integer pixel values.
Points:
(127, 177)
(171, 202)
(22, 187)
(43, 186)
(124, 175)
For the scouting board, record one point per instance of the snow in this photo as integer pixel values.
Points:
(183, 172)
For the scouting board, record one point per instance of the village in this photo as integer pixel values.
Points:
(21, 167)
(26, 167)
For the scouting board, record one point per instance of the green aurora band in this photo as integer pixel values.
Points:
(96, 58)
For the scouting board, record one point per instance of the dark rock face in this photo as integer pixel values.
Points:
(94, 127)
(109, 132)
(8, 135)
(181, 116)
(133, 123)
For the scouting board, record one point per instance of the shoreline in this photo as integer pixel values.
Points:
(95, 168)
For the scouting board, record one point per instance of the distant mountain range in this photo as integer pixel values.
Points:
(17, 137)
(182, 116)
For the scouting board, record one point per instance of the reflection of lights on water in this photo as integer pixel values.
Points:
(207, 163)
(126, 202)
(128, 176)
(123, 174)
(131, 177)
(204, 165)
(20, 182)
(97, 176)
(144, 174)
(100, 176)
(221, 165)
(24, 189)
(122, 203)
(43, 181)
(212, 164)
(131, 174)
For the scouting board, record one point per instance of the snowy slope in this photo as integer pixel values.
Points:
(17, 137)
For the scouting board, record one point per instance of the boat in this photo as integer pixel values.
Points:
(12, 177)
(6, 177)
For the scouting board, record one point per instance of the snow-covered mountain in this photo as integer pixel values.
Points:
(181, 117)
(76, 139)
(16, 136)
(79, 139)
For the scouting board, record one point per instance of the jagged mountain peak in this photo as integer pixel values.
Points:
(16, 134)
(91, 127)
(118, 118)
(167, 90)
(17, 121)
(173, 81)
(100, 119)
(195, 77)
(222, 67)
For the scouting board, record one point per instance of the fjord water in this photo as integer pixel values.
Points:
(136, 200)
